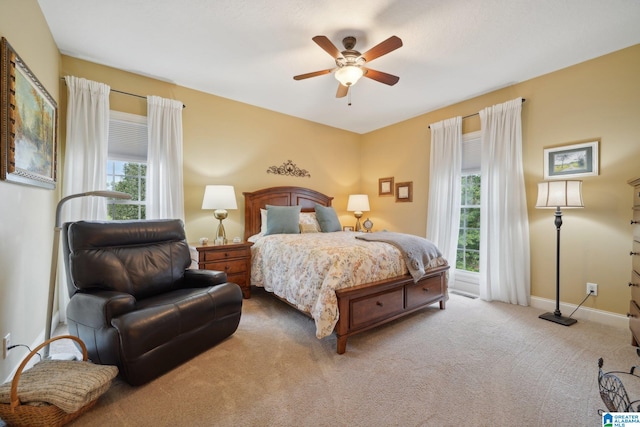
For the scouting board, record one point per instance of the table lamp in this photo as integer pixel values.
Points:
(220, 198)
(357, 204)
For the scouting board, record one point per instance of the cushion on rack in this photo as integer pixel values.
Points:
(67, 384)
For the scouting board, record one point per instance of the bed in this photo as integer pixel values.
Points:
(350, 305)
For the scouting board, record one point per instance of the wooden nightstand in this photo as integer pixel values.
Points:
(234, 259)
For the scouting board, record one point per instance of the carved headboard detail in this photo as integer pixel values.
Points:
(278, 196)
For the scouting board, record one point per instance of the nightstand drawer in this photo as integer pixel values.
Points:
(229, 267)
(233, 259)
(225, 254)
(239, 279)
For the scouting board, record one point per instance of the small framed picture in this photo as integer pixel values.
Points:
(575, 161)
(404, 191)
(385, 186)
(347, 228)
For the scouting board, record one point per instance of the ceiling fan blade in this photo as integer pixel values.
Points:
(389, 45)
(342, 91)
(328, 47)
(314, 74)
(379, 76)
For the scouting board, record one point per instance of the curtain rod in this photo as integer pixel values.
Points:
(475, 114)
(126, 93)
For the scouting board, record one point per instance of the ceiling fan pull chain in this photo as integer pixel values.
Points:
(349, 103)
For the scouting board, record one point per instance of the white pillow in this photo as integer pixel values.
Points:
(309, 223)
(263, 221)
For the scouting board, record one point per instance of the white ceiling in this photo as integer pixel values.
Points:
(249, 50)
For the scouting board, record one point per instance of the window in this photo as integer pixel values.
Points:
(468, 253)
(127, 165)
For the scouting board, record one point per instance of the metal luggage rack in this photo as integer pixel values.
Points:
(612, 390)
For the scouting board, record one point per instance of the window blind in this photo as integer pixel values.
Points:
(128, 138)
(471, 152)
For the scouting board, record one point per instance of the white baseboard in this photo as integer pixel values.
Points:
(584, 313)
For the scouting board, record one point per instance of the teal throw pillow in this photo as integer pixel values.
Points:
(327, 218)
(283, 220)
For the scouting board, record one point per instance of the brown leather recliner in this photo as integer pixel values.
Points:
(133, 301)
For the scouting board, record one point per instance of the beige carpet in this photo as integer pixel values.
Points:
(474, 364)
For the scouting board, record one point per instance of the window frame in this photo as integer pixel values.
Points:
(465, 280)
(134, 151)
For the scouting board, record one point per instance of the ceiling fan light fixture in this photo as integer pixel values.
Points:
(349, 75)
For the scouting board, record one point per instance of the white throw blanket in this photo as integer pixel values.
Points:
(419, 253)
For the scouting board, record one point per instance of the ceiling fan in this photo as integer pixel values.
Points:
(350, 64)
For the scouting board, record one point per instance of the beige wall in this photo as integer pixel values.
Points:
(26, 213)
(595, 100)
(228, 142)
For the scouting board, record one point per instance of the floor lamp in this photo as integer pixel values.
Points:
(559, 194)
(54, 253)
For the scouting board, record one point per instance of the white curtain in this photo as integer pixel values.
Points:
(443, 215)
(85, 159)
(504, 223)
(165, 194)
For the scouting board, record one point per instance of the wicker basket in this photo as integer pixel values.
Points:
(18, 414)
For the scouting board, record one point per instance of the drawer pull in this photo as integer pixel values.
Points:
(425, 289)
(634, 222)
(379, 304)
(631, 315)
(633, 284)
(634, 253)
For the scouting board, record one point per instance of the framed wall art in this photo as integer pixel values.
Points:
(404, 191)
(29, 117)
(574, 161)
(385, 186)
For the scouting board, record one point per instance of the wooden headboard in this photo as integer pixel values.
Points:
(278, 196)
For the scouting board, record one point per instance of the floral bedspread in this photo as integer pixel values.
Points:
(306, 269)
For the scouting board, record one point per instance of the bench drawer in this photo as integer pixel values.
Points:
(371, 309)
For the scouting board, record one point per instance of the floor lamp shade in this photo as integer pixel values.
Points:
(220, 198)
(357, 204)
(559, 194)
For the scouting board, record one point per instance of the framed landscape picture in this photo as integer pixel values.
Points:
(29, 117)
(572, 161)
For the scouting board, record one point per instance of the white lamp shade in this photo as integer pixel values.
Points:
(358, 203)
(348, 75)
(560, 194)
(219, 197)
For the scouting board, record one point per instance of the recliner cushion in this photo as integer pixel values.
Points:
(164, 317)
(141, 259)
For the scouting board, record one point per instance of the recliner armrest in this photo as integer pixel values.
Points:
(97, 308)
(203, 278)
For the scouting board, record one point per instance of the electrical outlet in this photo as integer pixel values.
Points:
(592, 288)
(6, 343)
